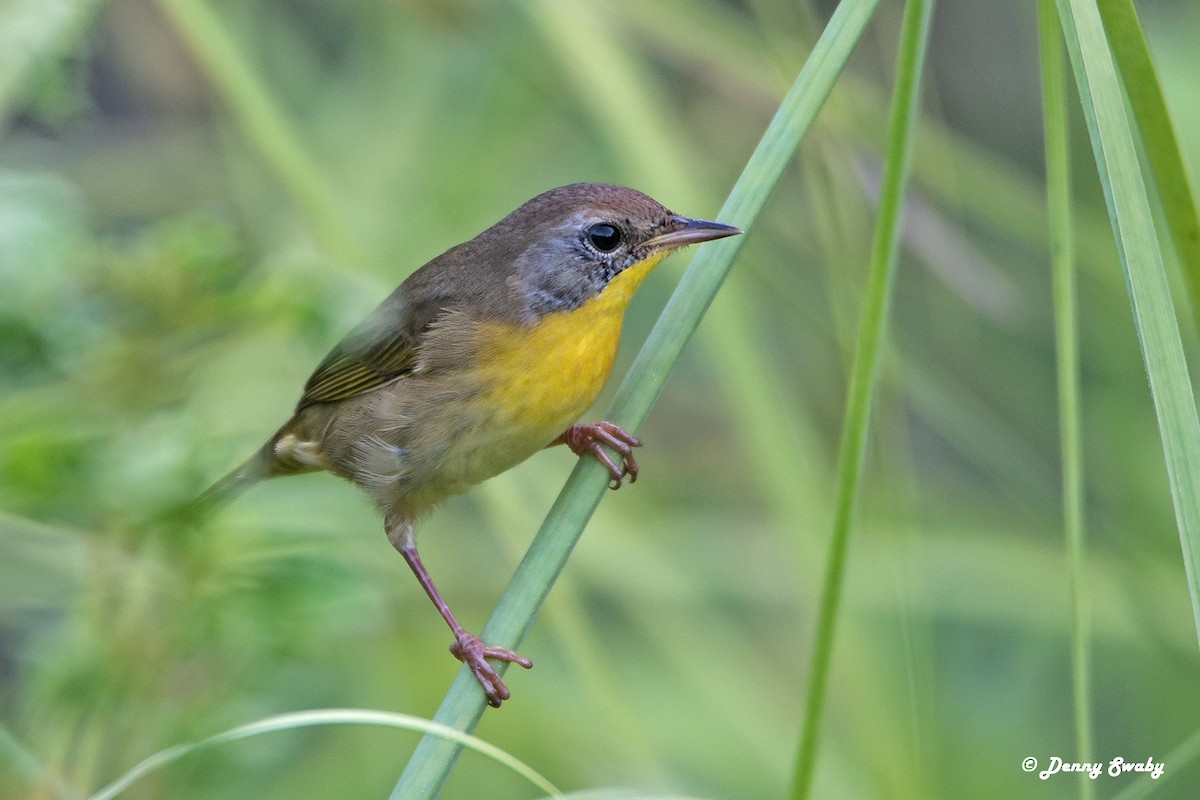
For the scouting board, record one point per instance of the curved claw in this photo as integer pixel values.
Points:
(474, 652)
(590, 440)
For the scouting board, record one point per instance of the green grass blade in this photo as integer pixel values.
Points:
(464, 704)
(325, 716)
(1062, 263)
(914, 37)
(265, 124)
(1116, 155)
(1142, 88)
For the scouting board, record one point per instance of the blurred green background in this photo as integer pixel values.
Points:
(197, 199)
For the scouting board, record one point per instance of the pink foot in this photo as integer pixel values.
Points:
(472, 651)
(589, 440)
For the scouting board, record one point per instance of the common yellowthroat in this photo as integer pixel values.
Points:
(482, 357)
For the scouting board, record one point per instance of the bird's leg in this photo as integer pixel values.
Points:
(467, 648)
(589, 440)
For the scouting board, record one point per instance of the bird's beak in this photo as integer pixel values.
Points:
(690, 231)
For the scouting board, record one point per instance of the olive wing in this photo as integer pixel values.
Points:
(382, 348)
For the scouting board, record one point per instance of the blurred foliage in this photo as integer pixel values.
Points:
(198, 199)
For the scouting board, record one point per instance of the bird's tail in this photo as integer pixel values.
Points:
(250, 472)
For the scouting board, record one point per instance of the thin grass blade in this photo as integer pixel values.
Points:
(1115, 151)
(325, 716)
(1158, 139)
(1062, 264)
(914, 37)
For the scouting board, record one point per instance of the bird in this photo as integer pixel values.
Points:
(482, 357)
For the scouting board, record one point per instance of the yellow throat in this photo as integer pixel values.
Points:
(545, 376)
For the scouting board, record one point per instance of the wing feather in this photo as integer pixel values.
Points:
(381, 349)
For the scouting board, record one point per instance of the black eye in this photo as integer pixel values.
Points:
(604, 237)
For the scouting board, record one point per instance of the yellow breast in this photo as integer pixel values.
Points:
(544, 376)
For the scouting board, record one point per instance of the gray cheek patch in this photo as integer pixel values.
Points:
(563, 272)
